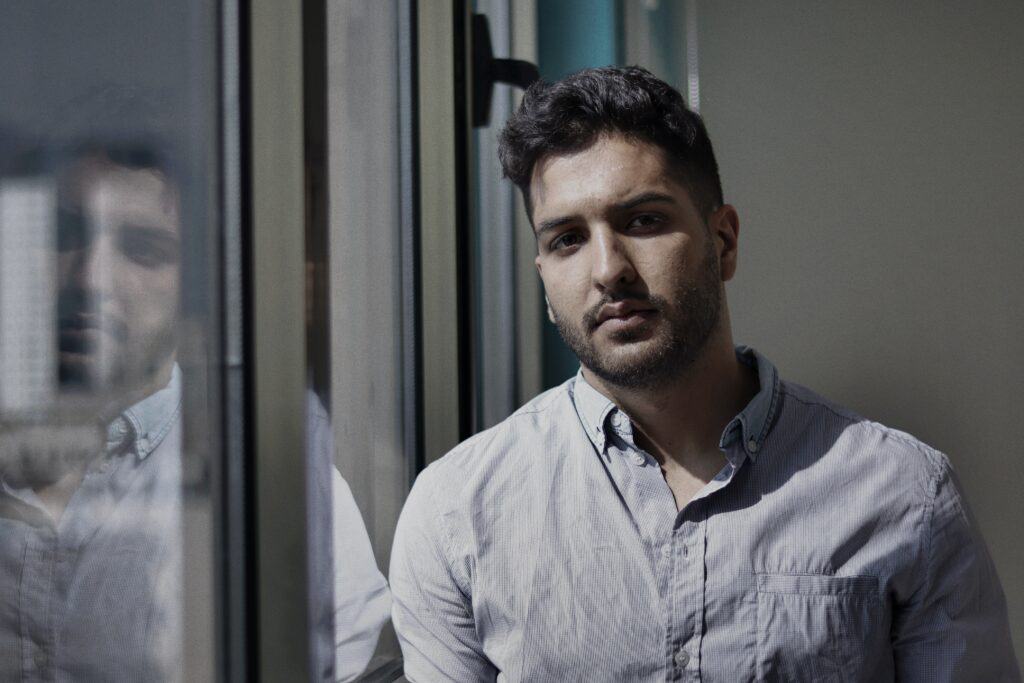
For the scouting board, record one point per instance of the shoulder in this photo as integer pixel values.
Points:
(862, 442)
(507, 454)
(516, 440)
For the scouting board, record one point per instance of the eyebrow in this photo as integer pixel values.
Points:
(151, 231)
(644, 199)
(549, 225)
(633, 202)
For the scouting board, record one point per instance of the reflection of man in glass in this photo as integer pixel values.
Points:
(91, 533)
(90, 529)
(119, 277)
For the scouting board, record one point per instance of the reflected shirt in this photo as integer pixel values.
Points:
(828, 548)
(99, 594)
(344, 573)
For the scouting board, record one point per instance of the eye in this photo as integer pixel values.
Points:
(646, 222)
(148, 247)
(565, 241)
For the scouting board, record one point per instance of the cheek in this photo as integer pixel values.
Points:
(663, 268)
(567, 292)
(151, 296)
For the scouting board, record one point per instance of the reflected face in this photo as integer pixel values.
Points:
(632, 274)
(119, 243)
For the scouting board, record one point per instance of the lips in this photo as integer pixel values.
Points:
(84, 333)
(623, 311)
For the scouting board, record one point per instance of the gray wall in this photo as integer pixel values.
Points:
(876, 157)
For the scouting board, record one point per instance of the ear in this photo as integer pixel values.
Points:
(551, 314)
(724, 226)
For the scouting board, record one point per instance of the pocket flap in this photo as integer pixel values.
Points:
(817, 584)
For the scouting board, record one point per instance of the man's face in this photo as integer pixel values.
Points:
(119, 243)
(632, 272)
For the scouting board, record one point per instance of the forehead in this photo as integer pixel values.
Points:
(613, 169)
(121, 194)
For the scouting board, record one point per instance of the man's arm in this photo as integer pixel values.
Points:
(954, 627)
(350, 599)
(361, 599)
(432, 611)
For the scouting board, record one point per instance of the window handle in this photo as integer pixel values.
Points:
(487, 71)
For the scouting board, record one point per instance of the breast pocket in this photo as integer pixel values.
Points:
(813, 627)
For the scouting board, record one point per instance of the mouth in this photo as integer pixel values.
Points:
(83, 335)
(623, 315)
(629, 321)
(80, 342)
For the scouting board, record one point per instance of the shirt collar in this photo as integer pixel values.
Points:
(144, 425)
(593, 407)
(751, 424)
(150, 419)
(755, 420)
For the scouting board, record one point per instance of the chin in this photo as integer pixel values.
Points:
(88, 373)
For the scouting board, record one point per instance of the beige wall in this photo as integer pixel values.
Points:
(875, 152)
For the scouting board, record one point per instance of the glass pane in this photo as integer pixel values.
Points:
(506, 301)
(109, 409)
(368, 384)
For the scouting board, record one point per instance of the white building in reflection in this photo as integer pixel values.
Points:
(28, 295)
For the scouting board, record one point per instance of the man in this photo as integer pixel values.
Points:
(91, 538)
(676, 511)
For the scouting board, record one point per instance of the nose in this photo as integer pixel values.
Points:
(91, 268)
(613, 265)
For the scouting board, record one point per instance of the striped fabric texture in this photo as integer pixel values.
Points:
(829, 548)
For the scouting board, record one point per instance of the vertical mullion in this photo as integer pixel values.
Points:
(234, 542)
(278, 187)
(529, 320)
(464, 190)
(442, 343)
(412, 323)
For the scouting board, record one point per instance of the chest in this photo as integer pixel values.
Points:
(744, 585)
(685, 483)
(99, 597)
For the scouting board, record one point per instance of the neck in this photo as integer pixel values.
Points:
(154, 381)
(56, 496)
(682, 420)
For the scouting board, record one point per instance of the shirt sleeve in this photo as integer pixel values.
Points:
(432, 610)
(954, 627)
(361, 598)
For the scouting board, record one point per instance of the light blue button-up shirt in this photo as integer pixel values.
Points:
(828, 548)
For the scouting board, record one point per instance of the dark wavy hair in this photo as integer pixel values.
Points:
(569, 115)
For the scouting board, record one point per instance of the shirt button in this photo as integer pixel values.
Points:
(638, 459)
(666, 550)
(752, 446)
(682, 658)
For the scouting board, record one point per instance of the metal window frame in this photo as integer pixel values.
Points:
(281, 170)
(233, 534)
(410, 204)
(443, 125)
(277, 219)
